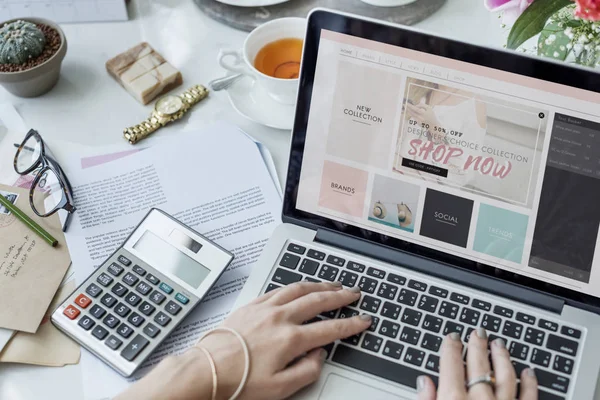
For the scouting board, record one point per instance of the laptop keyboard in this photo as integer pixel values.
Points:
(411, 317)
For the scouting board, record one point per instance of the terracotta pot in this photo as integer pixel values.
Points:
(40, 79)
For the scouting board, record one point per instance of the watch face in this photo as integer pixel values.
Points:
(169, 105)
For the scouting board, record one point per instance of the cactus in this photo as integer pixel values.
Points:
(20, 41)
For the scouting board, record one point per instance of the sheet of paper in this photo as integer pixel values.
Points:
(30, 269)
(48, 346)
(65, 10)
(214, 180)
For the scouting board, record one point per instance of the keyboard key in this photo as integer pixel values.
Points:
(552, 381)
(414, 356)
(113, 342)
(143, 288)
(136, 319)
(397, 279)
(540, 357)
(99, 332)
(329, 314)
(563, 364)
(347, 313)
(371, 342)
(552, 326)
(82, 300)
(119, 290)
(408, 297)
(468, 335)
(104, 279)
(370, 304)
(115, 269)
(410, 335)
(317, 255)
(348, 278)
(111, 321)
(453, 327)
(271, 286)
(391, 310)
(367, 285)
(574, 333)
(503, 311)
(432, 324)
(147, 308)
(482, 305)
(135, 347)
(519, 367)
(439, 292)
(172, 307)
(411, 317)
(393, 349)
(469, 316)
(534, 336)
(122, 310)
(431, 342)
(296, 248)
(124, 330)
(519, 350)
(162, 319)
(460, 298)
(309, 266)
(512, 329)
(97, 312)
(428, 303)
(491, 323)
(133, 299)
(151, 330)
(328, 272)
(93, 290)
(433, 363)
(336, 261)
(528, 319)
(356, 267)
(130, 279)
(86, 322)
(108, 300)
(139, 270)
(286, 277)
(387, 291)
(182, 299)
(165, 288)
(152, 279)
(389, 329)
(562, 345)
(374, 323)
(380, 367)
(124, 260)
(448, 310)
(420, 286)
(353, 340)
(289, 261)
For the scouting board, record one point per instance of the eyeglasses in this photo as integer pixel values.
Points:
(50, 188)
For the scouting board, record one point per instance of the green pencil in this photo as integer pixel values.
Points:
(28, 221)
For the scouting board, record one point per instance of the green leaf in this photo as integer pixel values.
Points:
(533, 20)
(558, 48)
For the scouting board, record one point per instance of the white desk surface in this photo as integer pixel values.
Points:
(89, 108)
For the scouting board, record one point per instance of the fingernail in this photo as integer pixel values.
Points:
(420, 383)
(530, 372)
(355, 289)
(454, 336)
(500, 343)
(481, 333)
(336, 284)
(365, 317)
(323, 355)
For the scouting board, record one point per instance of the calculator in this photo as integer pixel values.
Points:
(131, 303)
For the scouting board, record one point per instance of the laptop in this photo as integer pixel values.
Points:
(458, 187)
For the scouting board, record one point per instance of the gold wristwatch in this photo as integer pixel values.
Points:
(167, 109)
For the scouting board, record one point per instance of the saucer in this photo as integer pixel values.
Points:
(252, 3)
(253, 102)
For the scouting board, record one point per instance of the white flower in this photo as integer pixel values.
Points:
(556, 54)
(562, 48)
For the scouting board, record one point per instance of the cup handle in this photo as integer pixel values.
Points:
(238, 61)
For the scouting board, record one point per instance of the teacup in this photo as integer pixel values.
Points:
(283, 91)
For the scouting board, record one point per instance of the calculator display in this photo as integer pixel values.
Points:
(168, 258)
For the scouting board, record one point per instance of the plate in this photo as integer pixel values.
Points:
(251, 3)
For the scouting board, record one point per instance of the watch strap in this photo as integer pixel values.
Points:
(138, 132)
(194, 95)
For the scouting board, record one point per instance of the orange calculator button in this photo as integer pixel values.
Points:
(82, 301)
(71, 311)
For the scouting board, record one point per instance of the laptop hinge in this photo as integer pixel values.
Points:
(441, 270)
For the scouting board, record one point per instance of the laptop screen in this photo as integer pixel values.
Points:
(497, 168)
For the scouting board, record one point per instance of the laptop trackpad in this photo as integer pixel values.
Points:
(337, 387)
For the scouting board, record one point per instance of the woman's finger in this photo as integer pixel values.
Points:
(319, 334)
(300, 374)
(313, 304)
(506, 379)
(299, 289)
(452, 373)
(478, 365)
(266, 296)
(425, 388)
(529, 384)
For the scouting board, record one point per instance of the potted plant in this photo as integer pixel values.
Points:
(31, 53)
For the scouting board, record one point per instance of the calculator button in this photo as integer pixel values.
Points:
(152, 279)
(71, 311)
(143, 288)
(162, 319)
(181, 298)
(157, 297)
(134, 348)
(124, 260)
(93, 290)
(166, 288)
(124, 330)
(133, 299)
(136, 319)
(139, 270)
(97, 311)
(119, 290)
(113, 342)
(108, 300)
(86, 322)
(147, 308)
(130, 279)
(82, 301)
(111, 321)
(151, 330)
(115, 269)
(99, 332)
(104, 279)
(172, 307)
(122, 310)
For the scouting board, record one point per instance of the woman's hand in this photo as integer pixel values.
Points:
(452, 374)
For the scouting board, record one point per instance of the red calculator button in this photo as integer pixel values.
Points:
(71, 311)
(82, 301)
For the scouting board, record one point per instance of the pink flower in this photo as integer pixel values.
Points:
(588, 9)
(511, 9)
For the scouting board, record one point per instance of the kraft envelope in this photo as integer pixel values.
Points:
(30, 269)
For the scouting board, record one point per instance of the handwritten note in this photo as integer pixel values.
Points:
(16, 257)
